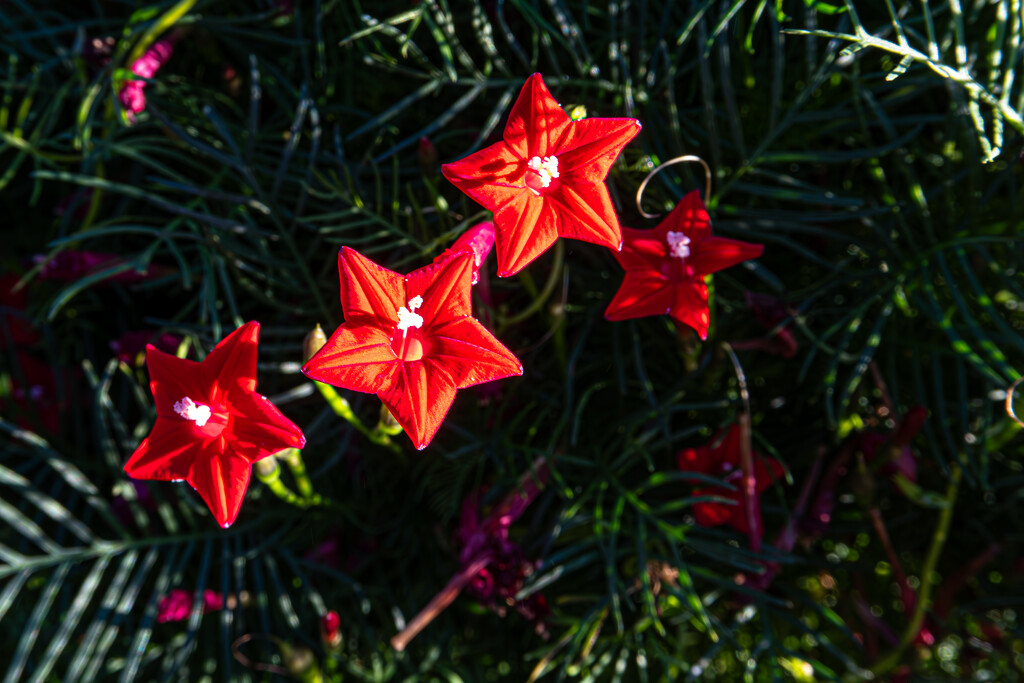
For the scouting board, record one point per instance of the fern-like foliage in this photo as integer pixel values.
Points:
(886, 195)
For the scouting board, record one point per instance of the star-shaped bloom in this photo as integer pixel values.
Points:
(410, 339)
(545, 179)
(722, 460)
(665, 267)
(211, 424)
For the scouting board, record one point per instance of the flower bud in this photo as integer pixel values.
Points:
(330, 630)
(427, 155)
(578, 113)
(314, 341)
(388, 424)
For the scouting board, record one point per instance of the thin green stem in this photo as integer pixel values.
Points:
(924, 598)
(545, 294)
(293, 458)
(343, 410)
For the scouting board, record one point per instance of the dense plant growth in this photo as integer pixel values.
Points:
(810, 469)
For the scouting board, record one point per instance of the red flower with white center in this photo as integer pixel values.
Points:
(665, 267)
(410, 339)
(211, 425)
(723, 460)
(545, 179)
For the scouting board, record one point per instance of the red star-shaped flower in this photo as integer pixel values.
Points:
(665, 267)
(211, 425)
(410, 340)
(545, 179)
(723, 460)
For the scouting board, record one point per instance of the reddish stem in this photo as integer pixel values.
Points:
(908, 593)
(441, 600)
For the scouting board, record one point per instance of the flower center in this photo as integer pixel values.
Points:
(405, 345)
(678, 244)
(540, 172)
(190, 410)
(407, 317)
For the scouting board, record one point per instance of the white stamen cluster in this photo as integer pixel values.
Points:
(407, 317)
(546, 168)
(678, 244)
(190, 410)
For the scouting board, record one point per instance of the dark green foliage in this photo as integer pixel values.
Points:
(874, 150)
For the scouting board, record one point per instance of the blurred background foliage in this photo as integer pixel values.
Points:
(874, 148)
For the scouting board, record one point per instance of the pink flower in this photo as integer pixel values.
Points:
(492, 567)
(38, 395)
(70, 265)
(13, 319)
(132, 95)
(893, 452)
(130, 345)
(177, 605)
(770, 311)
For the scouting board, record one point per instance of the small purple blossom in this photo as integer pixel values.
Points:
(130, 345)
(492, 567)
(177, 605)
(70, 265)
(132, 95)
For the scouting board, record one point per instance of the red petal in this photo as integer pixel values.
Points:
(492, 177)
(536, 124)
(585, 212)
(259, 429)
(718, 253)
(642, 293)
(446, 288)
(172, 379)
(356, 357)
(419, 399)
(689, 217)
(526, 228)
(738, 516)
(701, 459)
(221, 480)
(230, 368)
(370, 294)
(767, 471)
(713, 514)
(642, 249)
(592, 145)
(729, 448)
(470, 354)
(166, 454)
(691, 305)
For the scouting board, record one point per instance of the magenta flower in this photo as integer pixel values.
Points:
(70, 265)
(177, 605)
(130, 346)
(770, 311)
(132, 94)
(492, 567)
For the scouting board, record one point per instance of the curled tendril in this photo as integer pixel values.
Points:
(1009, 402)
(686, 158)
(257, 666)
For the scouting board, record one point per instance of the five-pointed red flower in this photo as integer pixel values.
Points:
(545, 179)
(722, 460)
(410, 339)
(211, 425)
(665, 267)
